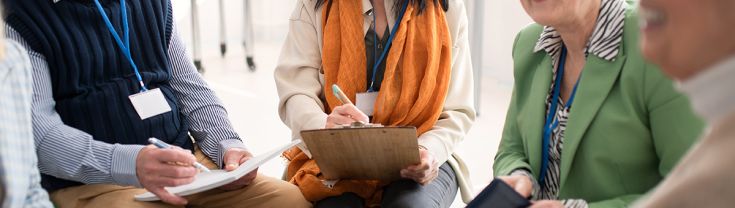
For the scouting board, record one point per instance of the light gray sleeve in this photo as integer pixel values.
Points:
(37, 196)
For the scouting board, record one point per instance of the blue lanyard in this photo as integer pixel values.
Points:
(387, 45)
(375, 50)
(551, 122)
(124, 46)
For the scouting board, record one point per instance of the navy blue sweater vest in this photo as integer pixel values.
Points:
(90, 76)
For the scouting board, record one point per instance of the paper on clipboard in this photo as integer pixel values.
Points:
(209, 180)
(363, 152)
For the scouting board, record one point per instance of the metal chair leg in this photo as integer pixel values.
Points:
(248, 35)
(222, 32)
(196, 48)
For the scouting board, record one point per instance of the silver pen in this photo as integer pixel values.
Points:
(162, 145)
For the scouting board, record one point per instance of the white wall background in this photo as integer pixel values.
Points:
(503, 20)
(270, 20)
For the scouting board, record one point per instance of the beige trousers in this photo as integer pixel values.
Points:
(264, 191)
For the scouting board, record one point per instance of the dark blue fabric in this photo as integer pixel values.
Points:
(91, 77)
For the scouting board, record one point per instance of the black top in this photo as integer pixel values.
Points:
(373, 53)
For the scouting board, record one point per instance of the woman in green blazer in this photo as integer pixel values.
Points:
(617, 126)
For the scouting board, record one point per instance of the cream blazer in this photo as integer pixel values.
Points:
(300, 83)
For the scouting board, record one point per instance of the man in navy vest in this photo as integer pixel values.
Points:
(110, 74)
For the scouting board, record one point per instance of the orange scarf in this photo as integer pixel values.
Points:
(417, 69)
(416, 81)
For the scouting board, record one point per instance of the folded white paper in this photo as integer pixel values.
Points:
(209, 180)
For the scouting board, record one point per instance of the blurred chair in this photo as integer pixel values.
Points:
(196, 48)
(222, 30)
(247, 35)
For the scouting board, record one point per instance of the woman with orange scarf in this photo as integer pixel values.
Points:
(412, 58)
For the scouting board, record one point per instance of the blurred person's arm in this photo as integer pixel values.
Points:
(36, 196)
(18, 152)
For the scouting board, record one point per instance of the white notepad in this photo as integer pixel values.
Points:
(206, 181)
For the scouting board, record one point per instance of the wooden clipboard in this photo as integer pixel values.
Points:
(363, 153)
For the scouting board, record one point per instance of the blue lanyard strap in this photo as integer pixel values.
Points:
(375, 49)
(551, 123)
(123, 44)
(387, 45)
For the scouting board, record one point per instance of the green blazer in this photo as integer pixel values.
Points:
(627, 129)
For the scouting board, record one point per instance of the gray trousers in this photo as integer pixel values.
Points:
(439, 193)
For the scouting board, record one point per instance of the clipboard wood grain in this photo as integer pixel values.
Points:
(363, 153)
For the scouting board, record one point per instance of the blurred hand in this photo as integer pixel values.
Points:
(232, 160)
(522, 184)
(157, 168)
(345, 114)
(426, 171)
(547, 204)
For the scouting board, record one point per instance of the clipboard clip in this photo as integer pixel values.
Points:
(358, 124)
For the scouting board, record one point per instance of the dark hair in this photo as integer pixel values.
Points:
(397, 5)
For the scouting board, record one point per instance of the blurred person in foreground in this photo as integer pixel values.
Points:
(20, 181)
(693, 42)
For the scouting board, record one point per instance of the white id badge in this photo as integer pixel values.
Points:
(149, 103)
(366, 102)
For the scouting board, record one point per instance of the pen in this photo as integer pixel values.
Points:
(162, 145)
(343, 98)
(340, 95)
